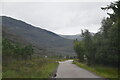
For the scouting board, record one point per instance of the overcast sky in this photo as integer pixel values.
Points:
(66, 18)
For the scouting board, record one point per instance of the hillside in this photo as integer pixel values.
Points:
(73, 37)
(19, 31)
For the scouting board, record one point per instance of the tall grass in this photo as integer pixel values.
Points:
(36, 68)
(105, 72)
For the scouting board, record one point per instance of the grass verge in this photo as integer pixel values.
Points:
(38, 68)
(105, 72)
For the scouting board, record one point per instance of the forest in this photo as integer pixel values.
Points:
(102, 48)
(17, 51)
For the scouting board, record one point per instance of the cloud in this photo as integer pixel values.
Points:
(57, 0)
(59, 17)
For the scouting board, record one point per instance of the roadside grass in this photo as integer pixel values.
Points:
(37, 68)
(105, 72)
(0, 75)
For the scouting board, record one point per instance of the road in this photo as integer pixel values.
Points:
(68, 70)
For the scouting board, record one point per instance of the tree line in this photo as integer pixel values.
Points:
(103, 46)
(16, 51)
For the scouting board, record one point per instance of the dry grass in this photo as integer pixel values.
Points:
(36, 68)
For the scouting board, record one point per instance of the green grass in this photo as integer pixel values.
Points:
(48, 70)
(39, 68)
(0, 75)
(105, 72)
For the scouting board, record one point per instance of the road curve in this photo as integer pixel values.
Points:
(68, 70)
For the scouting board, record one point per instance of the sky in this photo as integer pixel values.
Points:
(62, 17)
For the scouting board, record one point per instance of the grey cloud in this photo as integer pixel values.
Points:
(60, 17)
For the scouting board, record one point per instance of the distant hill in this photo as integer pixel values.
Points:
(41, 39)
(73, 37)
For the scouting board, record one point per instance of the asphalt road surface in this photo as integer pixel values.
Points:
(68, 70)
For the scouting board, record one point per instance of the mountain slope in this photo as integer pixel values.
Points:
(40, 38)
(73, 37)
